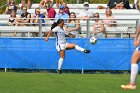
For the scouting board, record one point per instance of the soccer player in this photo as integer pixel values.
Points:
(134, 62)
(61, 43)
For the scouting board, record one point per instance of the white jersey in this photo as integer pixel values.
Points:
(60, 35)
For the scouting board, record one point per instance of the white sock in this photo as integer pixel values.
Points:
(79, 48)
(134, 72)
(60, 62)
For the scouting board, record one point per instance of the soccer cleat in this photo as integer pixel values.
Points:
(129, 86)
(86, 51)
(59, 71)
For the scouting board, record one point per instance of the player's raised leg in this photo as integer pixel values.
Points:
(71, 46)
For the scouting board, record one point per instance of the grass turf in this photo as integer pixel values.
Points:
(11, 82)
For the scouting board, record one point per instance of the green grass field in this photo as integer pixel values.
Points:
(11, 82)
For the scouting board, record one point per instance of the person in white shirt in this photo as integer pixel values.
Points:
(61, 43)
(87, 13)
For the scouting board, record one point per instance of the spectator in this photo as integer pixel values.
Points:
(61, 15)
(11, 6)
(134, 4)
(35, 18)
(73, 25)
(109, 20)
(50, 11)
(59, 2)
(28, 5)
(87, 13)
(43, 3)
(24, 17)
(98, 27)
(119, 4)
(116, 4)
(12, 20)
(66, 8)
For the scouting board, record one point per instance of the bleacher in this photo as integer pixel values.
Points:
(126, 20)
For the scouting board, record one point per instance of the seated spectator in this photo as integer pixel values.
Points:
(66, 8)
(11, 6)
(24, 18)
(134, 4)
(117, 4)
(98, 27)
(29, 4)
(87, 13)
(43, 3)
(73, 25)
(109, 19)
(35, 18)
(59, 2)
(12, 20)
(50, 11)
(61, 15)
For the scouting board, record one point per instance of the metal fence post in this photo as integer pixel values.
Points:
(88, 32)
(137, 22)
(40, 28)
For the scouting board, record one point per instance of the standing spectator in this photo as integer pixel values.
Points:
(109, 19)
(28, 5)
(98, 27)
(87, 13)
(50, 11)
(11, 6)
(59, 2)
(66, 8)
(24, 17)
(61, 15)
(73, 25)
(43, 3)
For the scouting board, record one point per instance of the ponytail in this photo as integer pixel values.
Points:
(56, 23)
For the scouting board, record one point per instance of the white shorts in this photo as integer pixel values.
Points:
(61, 47)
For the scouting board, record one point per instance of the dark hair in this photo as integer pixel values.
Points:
(56, 23)
(97, 14)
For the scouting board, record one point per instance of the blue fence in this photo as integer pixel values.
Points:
(34, 53)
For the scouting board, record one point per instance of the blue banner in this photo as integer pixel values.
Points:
(35, 53)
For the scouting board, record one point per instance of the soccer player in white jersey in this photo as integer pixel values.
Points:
(61, 43)
(134, 62)
(135, 58)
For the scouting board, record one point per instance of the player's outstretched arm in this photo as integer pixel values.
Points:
(48, 35)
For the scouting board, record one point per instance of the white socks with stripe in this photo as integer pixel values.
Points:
(60, 62)
(79, 48)
(134, 72)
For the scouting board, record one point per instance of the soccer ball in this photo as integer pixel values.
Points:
(138, 4)
(93, 40)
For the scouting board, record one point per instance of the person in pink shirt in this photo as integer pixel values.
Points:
(109, 19)
(50, 11)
